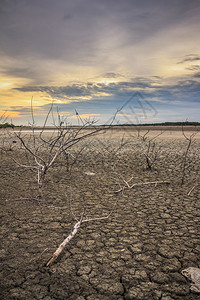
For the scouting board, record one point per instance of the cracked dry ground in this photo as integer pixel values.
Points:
(138, 254)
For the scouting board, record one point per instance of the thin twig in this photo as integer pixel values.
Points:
(142, 183)
(191, 190)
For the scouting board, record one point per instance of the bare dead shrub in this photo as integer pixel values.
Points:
(152, 149)
(189, 139)
(42, 151)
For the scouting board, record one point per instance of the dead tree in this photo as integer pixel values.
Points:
(151, 154)
(42, 151)
(189, 140)
(152, 151)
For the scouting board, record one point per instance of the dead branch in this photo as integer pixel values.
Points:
(191, 190)
(144, 137)
(64, 243)
(75, 230)
(151, 154)
(184, 163)
(142, 183)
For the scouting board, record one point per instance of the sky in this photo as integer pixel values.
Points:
(140, 59)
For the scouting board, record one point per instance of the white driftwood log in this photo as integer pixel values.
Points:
(64, 243)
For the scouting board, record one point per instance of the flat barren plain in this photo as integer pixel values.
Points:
(139, 252)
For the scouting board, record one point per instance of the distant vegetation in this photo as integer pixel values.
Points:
(186, 123)
(6, 125)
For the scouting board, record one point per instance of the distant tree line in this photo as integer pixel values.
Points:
(186, 123)
(6, 125)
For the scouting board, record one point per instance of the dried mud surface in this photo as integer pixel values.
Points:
(137, 254)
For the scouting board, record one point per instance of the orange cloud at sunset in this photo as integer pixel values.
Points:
(85, 116)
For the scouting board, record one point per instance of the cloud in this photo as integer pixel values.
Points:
(112, 75)
(65, 35)
(67, 16)
(92, 97)
(90, 89)
(154, 88)
(193, 68)
(189, 58)
(85, 116)
(196, 75)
